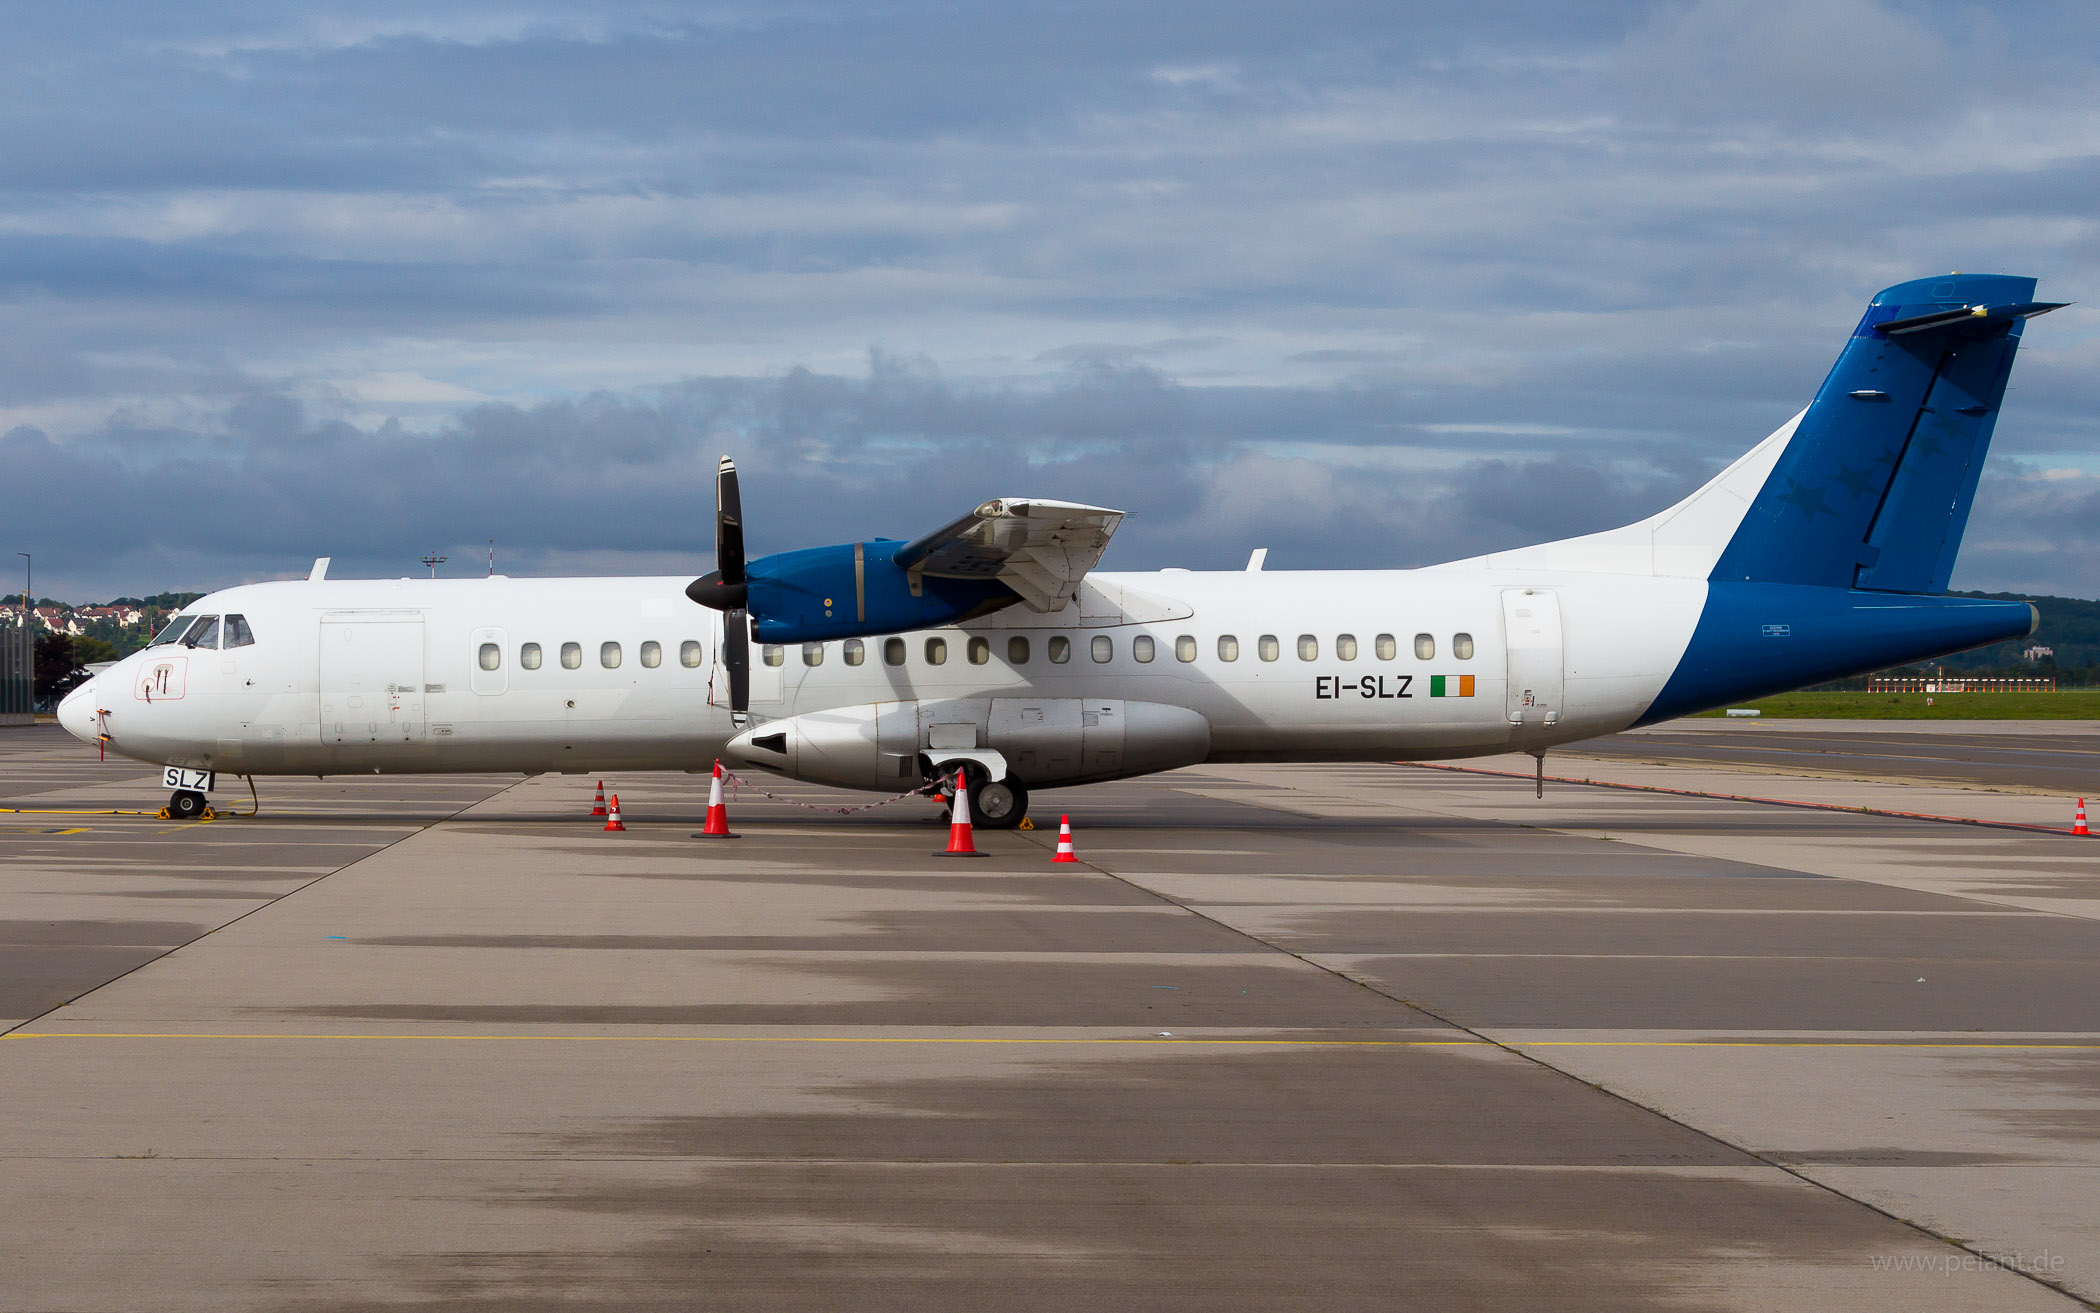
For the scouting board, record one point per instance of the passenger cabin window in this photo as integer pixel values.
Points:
(1141, 647)
(1228, 648)
(1017, 651)
(1267, 648)
(237, 633)
(1104, 647)
(652, 655)
(979, 651)
(1425, 647)
(491, 656)
(812, 654)
(1462, 646)
(1060, 650)
(854, 651)
(529, 656)
(773, 654)
(689, 654)
(204, 635)
(572, 656)
(1185, 648)
(1308, 648)
(1345, 647)
(1387, 647)
(936, 651)
(893, 651)
(609, 655)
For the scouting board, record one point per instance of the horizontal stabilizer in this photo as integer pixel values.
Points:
(1947, 318)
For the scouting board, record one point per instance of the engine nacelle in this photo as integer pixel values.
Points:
(849, 590)
(1043, 742)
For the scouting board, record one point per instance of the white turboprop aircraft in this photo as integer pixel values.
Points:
(992, 647)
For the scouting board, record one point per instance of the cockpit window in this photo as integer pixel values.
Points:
(176, 628)
(205, 635)
(237, 633)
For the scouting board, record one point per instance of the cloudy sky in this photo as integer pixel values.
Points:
(1367, 284)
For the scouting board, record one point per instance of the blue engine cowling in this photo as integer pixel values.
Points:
(850, 590)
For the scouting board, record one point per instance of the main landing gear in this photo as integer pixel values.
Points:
(186, 805)
(994, 804)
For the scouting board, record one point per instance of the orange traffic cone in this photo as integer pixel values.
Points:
(717, 814)
(612, 820)
(961, 840)
(2078, 825)
(1064, 841)
(598, 807)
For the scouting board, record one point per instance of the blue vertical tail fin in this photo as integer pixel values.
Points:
(1874, 488)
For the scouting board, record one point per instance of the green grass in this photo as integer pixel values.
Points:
(2066, 704)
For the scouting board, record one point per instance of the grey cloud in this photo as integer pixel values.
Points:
(1454, 275)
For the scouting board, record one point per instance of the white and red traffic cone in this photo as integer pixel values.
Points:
(961, 838)
(612, 819)
(717, 814)
(598, 807)
(1064, 841)
(2078, 824)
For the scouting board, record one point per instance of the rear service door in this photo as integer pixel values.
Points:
(1531, 628)
(372, 678)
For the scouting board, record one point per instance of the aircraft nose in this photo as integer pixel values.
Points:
(77, 712)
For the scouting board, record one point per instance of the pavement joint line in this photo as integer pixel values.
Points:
(6, 1031)
(1744, 797)
(364, 1036)
(1524, 1054)
(764, 1039)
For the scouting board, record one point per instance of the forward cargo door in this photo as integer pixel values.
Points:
(1537, 671)
(372, 679)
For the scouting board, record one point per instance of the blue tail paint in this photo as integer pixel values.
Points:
(1833, 570)
(1874, 490)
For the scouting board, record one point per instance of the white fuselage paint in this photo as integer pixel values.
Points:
(405, 691)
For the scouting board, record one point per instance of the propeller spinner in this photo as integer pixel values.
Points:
(725, 589)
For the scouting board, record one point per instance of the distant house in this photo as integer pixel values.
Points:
(2038, 652)
(123, 615)
(59, 620)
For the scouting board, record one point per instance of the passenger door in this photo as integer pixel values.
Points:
(372, 678)
(1532, 636)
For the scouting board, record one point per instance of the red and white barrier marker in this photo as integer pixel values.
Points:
(612, 820)
(598, 807)
(2078, 825)
(1064, 841)
(717, 814)
(961, 838)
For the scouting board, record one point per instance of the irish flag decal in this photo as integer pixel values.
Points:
(1451, 686)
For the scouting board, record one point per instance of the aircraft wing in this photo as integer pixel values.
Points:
(1039, 548)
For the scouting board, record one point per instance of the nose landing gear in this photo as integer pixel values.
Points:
(186, 805)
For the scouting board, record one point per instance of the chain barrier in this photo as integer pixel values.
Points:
(737, 782)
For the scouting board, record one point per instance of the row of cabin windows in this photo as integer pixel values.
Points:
(977, 650)
(610, 655)
(1143, 648)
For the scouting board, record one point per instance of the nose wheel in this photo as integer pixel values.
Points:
(186, 805)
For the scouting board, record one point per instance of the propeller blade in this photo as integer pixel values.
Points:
(736, 657)
(724, 587)
(729, 525)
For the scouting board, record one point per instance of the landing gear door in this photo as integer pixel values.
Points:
(372, 678)
(1537, 674)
